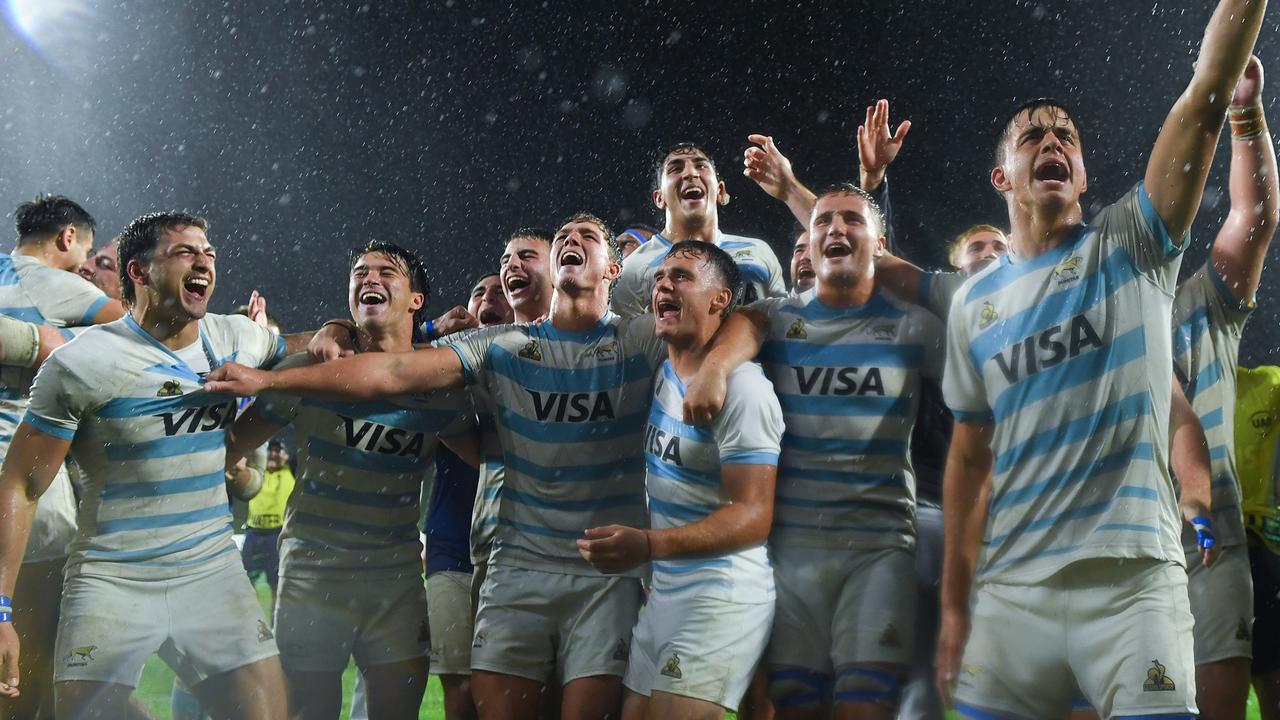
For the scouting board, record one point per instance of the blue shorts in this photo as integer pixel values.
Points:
(261, 554)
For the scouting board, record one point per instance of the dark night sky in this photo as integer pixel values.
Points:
(304, 128)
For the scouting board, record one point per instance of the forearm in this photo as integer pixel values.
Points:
(364, 377)
(800, 201)
(964, 494)
(729, 528)
(250, 431)
(245, 482)
(17, 509)
(1189, 458)
(737, 341)
(900, 277)
(1241, 245)
(1228, 41)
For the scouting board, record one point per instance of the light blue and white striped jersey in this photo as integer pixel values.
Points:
(569, 408)
(761, 272)
(360, 472)
(683, 480)
(1069, 355)
(36, 293)
(150, 443)
(1207, 323)
(848, 380)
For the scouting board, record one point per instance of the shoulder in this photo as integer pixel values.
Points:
(645, 257)
(229, 328)
(89, 346)
(41, 276)
(743, 248)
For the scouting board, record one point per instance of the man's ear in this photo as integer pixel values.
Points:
(657, 200)
(416, 301)
(721, 301)
(138, 272)
(722, 193)
(999, 180)
(66, 238)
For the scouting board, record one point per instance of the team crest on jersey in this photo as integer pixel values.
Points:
(1068, 270)
(620, 650)
(1262, 421)
(264, 632)
(531, 351)
(171, 388)
(80, 656)
(672, 667)
(971, 669)
(886, 331)
(987, 316)
(797, 331)
(742, 255)
(606, 351)
(1242, 631)
(1157, 680)
(889, 638)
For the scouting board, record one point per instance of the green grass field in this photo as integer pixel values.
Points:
(157, 681)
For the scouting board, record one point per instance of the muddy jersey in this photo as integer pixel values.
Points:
(1069, 356)
(569, 411)
(761, 272)
(150, 443)
(683, 464)
(848, 380)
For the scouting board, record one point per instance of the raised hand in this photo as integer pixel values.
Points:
(877, 147)
(1249, 88)
(257, 309)
(451, 322)
(765, 164)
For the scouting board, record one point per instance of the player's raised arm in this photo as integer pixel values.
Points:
(1241, 245)
(362, 377)
(1183, 152)
(771, 170)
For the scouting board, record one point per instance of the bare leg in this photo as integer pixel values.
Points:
(458, 704)
(598, 697)
(1268, 689)
(37, 597)
(1222, 689)
(505, 697)
(253, 692)
(394, 690)
(81, 700)
(666, 706)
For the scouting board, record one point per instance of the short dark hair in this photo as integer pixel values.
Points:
(643, 228)
(1030, 107)
(483, 276)
(684, 148)
(48, 214)
(847, 188)
(408, 261)
(615, 252)
(139, 238)
(532, 233)
(726, 270)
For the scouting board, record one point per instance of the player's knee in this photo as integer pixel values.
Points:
(798, 693)
(880, 685)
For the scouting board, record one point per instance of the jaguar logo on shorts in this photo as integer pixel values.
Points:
(987, 316)
(889, 638)
(80, 656)
(797, 331)
(171, 388)
(1157, 681)
(672, 667)
(264, 632)
(479, 640)
(620, 650)
(1242, 631)
(531, 351)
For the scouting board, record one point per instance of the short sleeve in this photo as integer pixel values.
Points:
(254, 345)
(638, 337)
(937, 289)
(1133, 224)
(66, 299)
(630, 296)
(777, 281)
(748, 429)
(59, 400)
(473, 352)
(962, 384)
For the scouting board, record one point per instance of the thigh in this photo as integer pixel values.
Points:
(306, 604)
(798, 656)
(517, 625)
(83, 700)
(451, 622)
(255, 691)
(596, 616)
(392, 620)
(394, 690)
(1131, 637)
(642, 660)
(37, 597)
(218, 625)
(710, 649)
(1221, 600)
(500, 696)
(108, 628)
(873, 623)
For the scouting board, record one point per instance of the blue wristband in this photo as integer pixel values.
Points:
(6, 601)
(1204, 532)
(429, 329)
(6, 616)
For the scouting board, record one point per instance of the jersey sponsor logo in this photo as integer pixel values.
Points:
(171, 388)
(1046, 349)
(199, 419)
(1068, 270)
(378, 438)
(987, 316)
(606, 351)
(797, 331)
(671, 668)
(571, 407)
(1157, 680)
(80, 656)
(531, 351)
(884, 331)
(264, 632)
(839, 381)
(1262, 421)
(667, 447)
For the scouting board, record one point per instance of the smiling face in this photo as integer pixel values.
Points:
(277, 456)
(844, 239)
(525, 274)
(977, 250)
(1041, 162)
(581, 257)
(689, 189)
(689, 298)
(180, 274)
(487, 302)
(802, 275)
(379, 294)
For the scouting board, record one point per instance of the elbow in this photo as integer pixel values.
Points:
(756, 530)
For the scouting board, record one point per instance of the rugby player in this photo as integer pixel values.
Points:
(689, 191)
(710, 490)
(630, 239)
(1083, 515)
(802, 275)
(570, 395)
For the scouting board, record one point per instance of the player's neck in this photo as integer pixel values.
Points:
(45, 253)
(1037, 230)
(581, 310)
(704, 228)
(686, 354)
(846, 296)
(376, 338)
(529, 313)
(171, 331)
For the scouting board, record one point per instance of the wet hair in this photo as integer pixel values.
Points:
(482, 276)
(846, 188)
(726, 270)
(139, 239)
(532, 233)
(48, 214)
(615, 252)
(956, 245)
(684, 148)
(1030, 108)
(408, 261)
